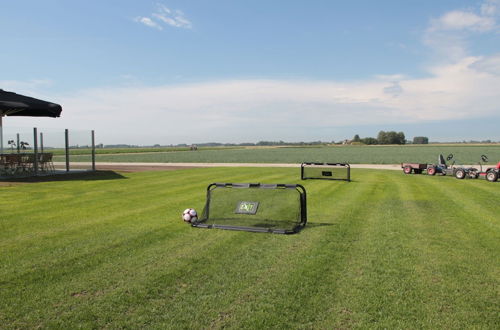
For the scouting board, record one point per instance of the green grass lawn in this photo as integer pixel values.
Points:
(464, 154)
(388, 250)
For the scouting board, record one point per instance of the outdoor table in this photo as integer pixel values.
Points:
(9, 163)
(14, 163)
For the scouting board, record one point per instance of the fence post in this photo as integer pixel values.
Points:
(66, 137)
(41, 142)
(93, 150)
(35, 151)
(1, 135)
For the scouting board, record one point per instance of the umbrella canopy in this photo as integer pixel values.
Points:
(12, 104)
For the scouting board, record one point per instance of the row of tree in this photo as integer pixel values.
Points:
(390, 137)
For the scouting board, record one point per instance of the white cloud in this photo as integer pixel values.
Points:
(148, 22)
(165, 16)
(450, 34)
(182, 21)
(463, 20)
(251, 110)
(163, 9)
(490, 7)
(395, 89)
(481, 20)
(489, 65)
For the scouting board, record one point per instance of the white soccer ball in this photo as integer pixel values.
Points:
(189, 215)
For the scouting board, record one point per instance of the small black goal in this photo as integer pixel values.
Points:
(256, 207)
(325, 171)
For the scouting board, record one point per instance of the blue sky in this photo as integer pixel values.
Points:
(146, 72)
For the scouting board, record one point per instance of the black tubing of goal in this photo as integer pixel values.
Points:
(296, 229)
(346, 165)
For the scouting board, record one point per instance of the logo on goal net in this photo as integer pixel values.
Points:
(247, 207)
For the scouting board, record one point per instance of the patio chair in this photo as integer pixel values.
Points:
(3, 166)
(27, 163)
(12, 164)
(45, 161)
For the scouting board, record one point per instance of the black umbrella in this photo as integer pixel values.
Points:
(12, 104)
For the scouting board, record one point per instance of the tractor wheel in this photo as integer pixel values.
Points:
(407, 169)
(431, 170)
(460, 173)
(492, 176)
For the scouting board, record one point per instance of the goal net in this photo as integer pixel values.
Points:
(325, 171)
(276, 208)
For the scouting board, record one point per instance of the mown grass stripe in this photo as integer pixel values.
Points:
(384, 251)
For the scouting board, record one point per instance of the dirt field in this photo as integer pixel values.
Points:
(140, 167)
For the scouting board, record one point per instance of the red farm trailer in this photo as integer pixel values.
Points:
(416, 168)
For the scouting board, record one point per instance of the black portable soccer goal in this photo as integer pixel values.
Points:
(274, 208)
(325, 171)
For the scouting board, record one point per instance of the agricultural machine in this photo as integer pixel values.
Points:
(491, 173)
(442, 168)
(416, 168)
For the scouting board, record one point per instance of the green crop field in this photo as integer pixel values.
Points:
(109, 250)
(464, 154)
(132, 150)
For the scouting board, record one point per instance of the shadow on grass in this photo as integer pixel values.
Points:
(79, 176)
(318, 224)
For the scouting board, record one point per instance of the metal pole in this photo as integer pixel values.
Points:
(41, 142)
(66, 137)
(18, 143)
(35, 150)
(1, 135)
(93, 150)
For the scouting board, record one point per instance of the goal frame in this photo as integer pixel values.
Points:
(347, 166)
(201, 223)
